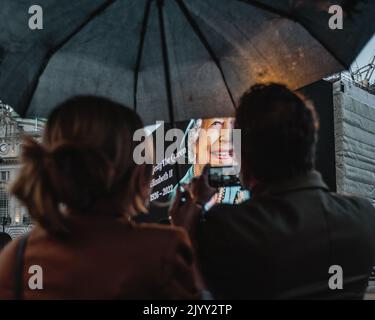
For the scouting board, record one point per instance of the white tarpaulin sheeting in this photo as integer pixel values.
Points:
(355, 140)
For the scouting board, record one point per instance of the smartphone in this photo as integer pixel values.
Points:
(220, 177)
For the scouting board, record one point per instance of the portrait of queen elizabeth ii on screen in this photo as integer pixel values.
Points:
(210, 141)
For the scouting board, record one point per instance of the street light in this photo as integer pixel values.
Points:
(17, 218)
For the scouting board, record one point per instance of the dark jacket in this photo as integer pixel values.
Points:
(105, 259)
(282, 242)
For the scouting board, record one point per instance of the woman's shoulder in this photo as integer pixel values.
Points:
(171, 257)
(168, 233)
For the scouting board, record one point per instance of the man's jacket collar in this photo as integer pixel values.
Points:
(310, 180)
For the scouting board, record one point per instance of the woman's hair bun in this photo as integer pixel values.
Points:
(79, 175)
(75, 175)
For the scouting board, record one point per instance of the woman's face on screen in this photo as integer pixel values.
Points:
(214, 145)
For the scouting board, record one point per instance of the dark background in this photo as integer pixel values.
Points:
(321, 93)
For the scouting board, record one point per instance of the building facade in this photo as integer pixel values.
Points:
(354, 106)
(14, 218)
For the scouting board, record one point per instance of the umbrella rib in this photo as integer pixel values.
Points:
(34, 85)
(167, 75)
(284, 14)
(207, 46)
(140, 51)
(166, 62)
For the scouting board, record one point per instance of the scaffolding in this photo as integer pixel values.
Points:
(362, 77)
(365, 75)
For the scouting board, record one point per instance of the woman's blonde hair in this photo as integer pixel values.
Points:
(84, 163)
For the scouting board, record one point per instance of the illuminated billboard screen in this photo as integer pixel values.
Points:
(204, 141)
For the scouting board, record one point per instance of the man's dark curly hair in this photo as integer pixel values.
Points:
(279, 133)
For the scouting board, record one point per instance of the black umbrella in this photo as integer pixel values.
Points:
(173, 59)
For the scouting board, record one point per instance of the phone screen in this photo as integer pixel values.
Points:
(224, 177)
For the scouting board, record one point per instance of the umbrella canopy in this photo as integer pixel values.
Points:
(171, 60)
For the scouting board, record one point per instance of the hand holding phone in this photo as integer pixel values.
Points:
(201, 189)
(184, 211)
